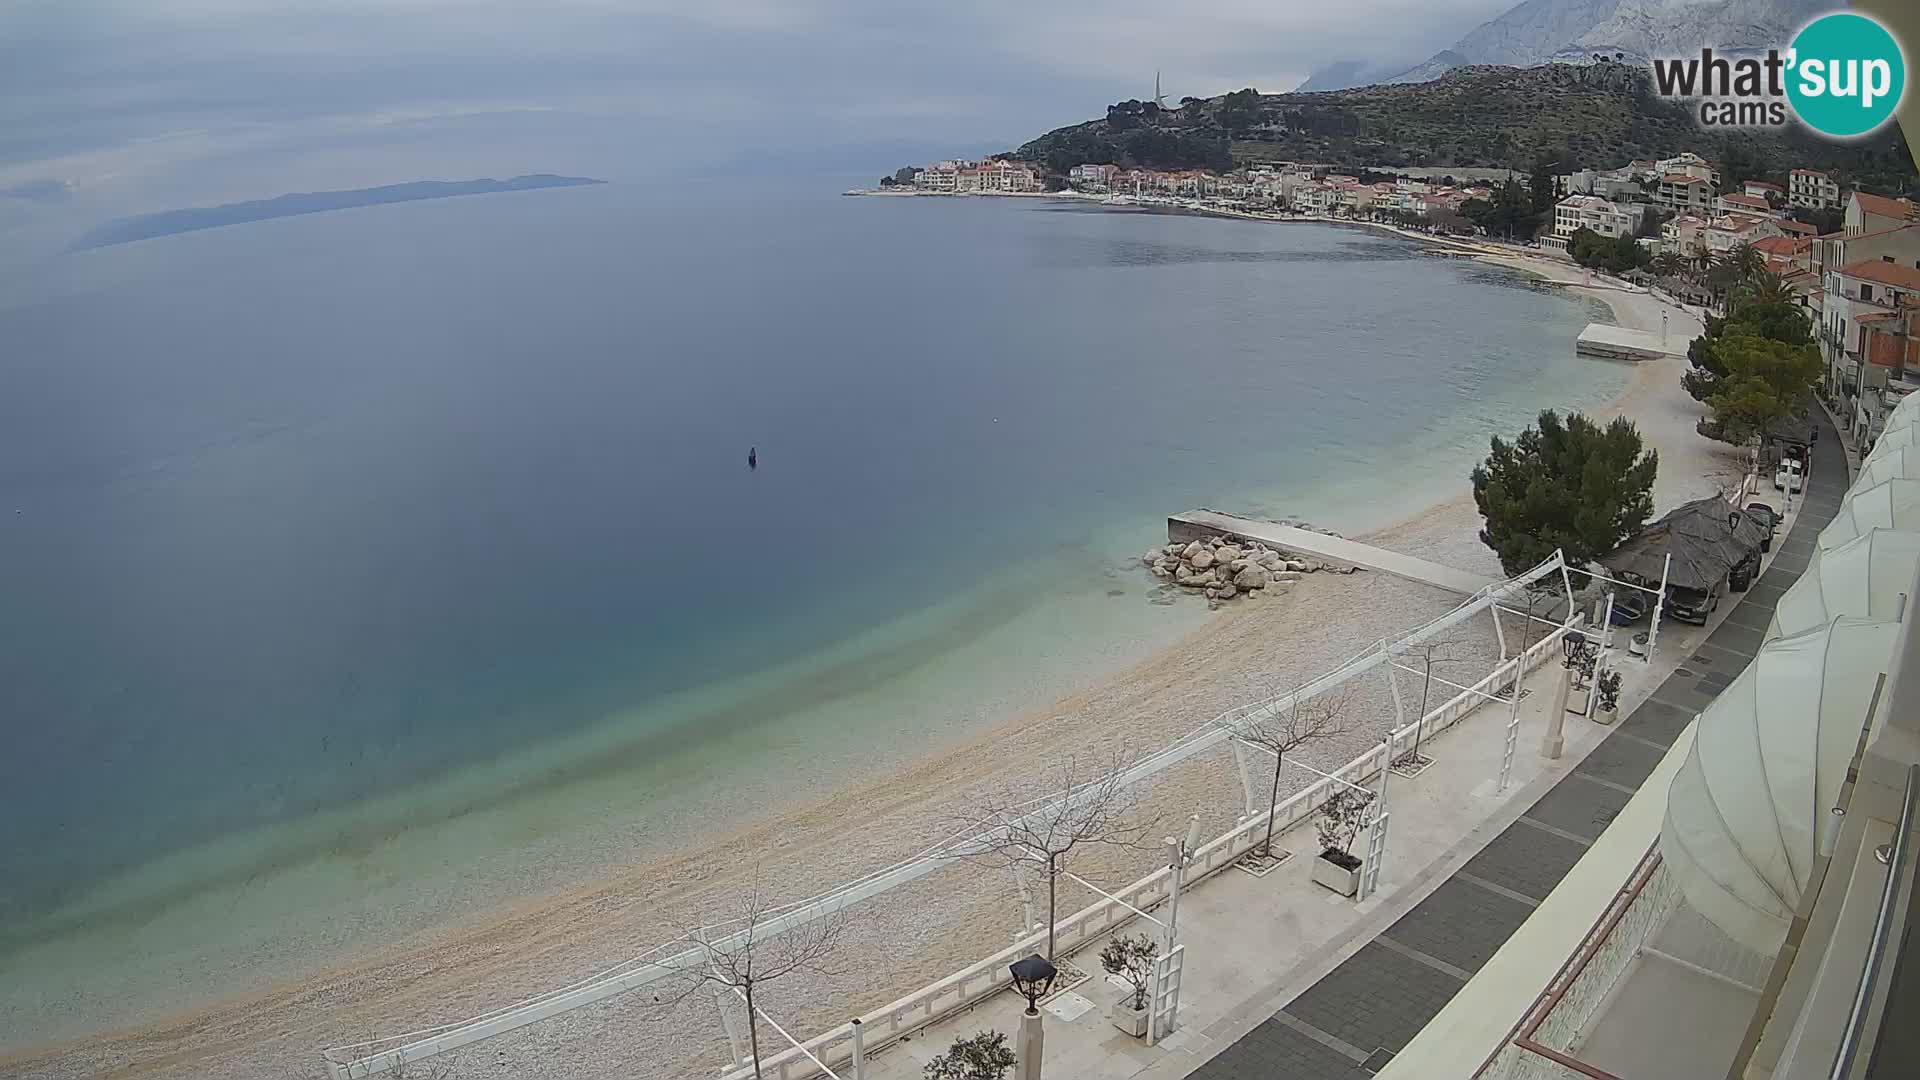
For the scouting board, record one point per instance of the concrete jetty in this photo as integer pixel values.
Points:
(1321, 548)
(1610, 342)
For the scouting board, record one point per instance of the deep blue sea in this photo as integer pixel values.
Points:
(429, 527)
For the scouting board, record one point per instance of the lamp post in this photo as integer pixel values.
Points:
(1179, 855)
(1032, 977)
(1574, 644)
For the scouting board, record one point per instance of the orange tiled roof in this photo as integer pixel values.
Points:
(1881, 206)
(1885, 273)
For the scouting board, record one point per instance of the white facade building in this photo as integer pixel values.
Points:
(1610, 219)
(1812, 188)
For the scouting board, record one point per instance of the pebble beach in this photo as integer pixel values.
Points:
(810, 835)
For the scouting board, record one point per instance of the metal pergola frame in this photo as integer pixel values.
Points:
(375, 1056)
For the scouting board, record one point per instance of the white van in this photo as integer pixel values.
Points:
(1788, 478)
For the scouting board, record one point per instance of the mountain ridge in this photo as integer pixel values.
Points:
(1595, 115)
(1573, 31)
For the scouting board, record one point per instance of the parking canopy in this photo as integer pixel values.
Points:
(1706, 537)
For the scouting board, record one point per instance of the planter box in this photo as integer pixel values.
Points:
(1339, 879)
(1605, 716)
(1131, 1021)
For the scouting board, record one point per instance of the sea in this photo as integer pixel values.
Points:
(362, 570)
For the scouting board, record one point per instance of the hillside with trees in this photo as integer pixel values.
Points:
(1598, 115)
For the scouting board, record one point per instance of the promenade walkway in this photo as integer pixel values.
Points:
(1350, 1023)
(1323, 548)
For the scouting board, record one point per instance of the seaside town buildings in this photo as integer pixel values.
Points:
(1870, 283)
(992, 175)
(1859, 284)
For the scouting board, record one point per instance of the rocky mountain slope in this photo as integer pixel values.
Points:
(1591, 115)
(1539, 31)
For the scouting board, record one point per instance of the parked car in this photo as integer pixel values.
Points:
(1765, 515)
(1630, 606)
(1740, 578)
(1694, 605)
(1788, 478)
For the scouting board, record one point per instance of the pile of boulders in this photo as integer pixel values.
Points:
(1224, 568)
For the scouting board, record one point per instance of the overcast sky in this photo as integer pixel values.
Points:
(141, 104)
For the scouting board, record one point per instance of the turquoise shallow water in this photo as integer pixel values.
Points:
(369, 567)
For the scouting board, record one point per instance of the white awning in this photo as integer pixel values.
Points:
(1892, 439)
(1864, 576)
(1905, 413)
(1900, 463)
(1892, 504)
(1747, 809)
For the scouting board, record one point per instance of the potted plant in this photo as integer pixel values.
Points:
(1339, 823)
(1132, 959)
(1608, 687)
(1583, 661)
(984, 1055)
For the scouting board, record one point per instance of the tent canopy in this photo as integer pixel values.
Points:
(1893, 439)
(1706, 537)
(1746, 811)
(1890, 504)
(1864, 576)
(1893, 465)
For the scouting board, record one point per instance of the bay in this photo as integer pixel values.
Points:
(330, 541)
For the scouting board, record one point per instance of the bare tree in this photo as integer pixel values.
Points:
(1092, 807)
(1442, 652)
(1539, 592)
(749, 952)
(1282, 731)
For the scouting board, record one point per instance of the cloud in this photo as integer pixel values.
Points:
(47, 190)
(121, 97)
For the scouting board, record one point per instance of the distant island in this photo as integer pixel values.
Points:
(170, 222)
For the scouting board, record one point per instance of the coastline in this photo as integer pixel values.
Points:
(458, 970)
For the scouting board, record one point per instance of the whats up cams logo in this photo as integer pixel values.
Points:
(1843, 76)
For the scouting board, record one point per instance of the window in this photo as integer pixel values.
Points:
(1866, 291)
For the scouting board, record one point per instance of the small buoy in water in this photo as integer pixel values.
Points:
(753, 457)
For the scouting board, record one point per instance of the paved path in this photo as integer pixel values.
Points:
(1348, 1025)
(1321, 547)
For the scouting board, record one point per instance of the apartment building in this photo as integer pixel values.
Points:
(1812, 188)
(1682, 192)
(1603, 216)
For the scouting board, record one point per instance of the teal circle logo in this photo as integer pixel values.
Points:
(1846, 75)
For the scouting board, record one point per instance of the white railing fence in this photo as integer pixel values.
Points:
(936, 1001)
(930, 1003)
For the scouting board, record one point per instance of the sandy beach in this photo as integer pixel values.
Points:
(809, 837)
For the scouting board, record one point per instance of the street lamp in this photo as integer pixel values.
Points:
(1032, 978)
(1574, 644)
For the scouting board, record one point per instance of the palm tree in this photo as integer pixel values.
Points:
(1669, 264)
(1765, 287)
(1745, 262)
